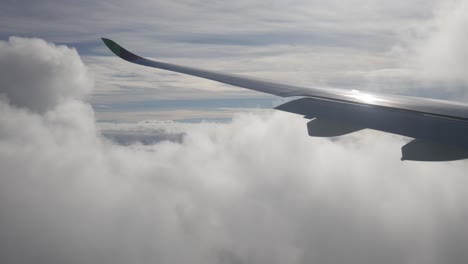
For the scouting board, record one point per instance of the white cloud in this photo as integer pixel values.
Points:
(443, 54)
(257, 190)
(38, 75)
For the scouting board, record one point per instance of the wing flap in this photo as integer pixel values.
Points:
(328, 128)
(421, 150)
(396, 121)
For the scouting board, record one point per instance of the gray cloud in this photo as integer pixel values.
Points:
(38, 75)
(430, 58)
(442, 53)
(145, 133)
(256, 190)
(156, 19)
(377, 46)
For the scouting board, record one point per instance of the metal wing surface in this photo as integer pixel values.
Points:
(439, 128)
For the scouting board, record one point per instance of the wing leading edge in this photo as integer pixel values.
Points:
(440, 128)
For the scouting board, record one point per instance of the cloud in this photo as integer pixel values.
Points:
(443, 54)
(297, 19)
(377, 46)
(427, 56)
(256, 190)
(146, 133)
(39, 75)
(311, 43)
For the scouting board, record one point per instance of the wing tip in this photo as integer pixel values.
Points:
(114, 47)
(120, 51)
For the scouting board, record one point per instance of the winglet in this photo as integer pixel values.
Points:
(120, 51)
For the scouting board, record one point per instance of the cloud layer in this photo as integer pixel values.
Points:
(356, 44)
(256, 190)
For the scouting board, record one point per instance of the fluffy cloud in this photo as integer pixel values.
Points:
(39, 75)
(256, 190)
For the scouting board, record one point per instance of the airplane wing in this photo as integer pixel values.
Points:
(439, 128)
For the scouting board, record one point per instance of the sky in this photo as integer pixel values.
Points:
(107, 162)
(404, 47)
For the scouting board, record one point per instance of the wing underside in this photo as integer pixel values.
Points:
(439, 128)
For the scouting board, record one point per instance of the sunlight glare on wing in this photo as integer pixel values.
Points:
(365, 98)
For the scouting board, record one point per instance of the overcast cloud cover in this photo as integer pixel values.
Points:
(410, 47)
(254, 190)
